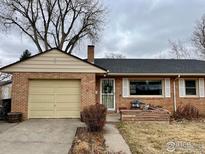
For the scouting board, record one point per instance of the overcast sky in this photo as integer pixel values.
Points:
(134, 28)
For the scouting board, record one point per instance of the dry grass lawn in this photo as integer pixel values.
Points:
(152, 138)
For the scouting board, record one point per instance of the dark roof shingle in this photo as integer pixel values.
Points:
(151, 65)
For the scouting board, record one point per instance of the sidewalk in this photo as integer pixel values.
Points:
(114, 141)
(113, 118)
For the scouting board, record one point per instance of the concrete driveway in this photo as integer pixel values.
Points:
(4, 126)
(39, 136)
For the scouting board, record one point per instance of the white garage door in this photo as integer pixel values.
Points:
(54, 99)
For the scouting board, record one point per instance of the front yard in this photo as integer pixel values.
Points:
(151, 138)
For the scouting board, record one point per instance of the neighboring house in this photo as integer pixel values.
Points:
(54, 84)
(5, 90)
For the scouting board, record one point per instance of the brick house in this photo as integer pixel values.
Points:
(54, 84)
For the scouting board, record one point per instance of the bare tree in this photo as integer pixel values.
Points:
(198, 37)
(54, 23)
(114, 56)
(4, 76)
(178, 50)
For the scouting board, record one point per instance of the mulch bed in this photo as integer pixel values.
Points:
(88, 142)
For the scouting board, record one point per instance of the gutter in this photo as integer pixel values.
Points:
(157, 74)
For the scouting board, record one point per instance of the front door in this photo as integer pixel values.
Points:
(108, 93)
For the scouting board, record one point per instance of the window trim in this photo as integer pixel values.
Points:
(148, 96)
(197, 87)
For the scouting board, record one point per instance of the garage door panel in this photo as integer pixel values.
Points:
(67, 98)
(42, 114)
(43, 90)
(69, 91)
(73, 104)
(65, 110)
(43, 109)
(65, 83)
(71, 114)
(55, 83)
(54, 99)
(41, 106)
(75, 108)
(69, 102)
(41, 98)
(41, 83)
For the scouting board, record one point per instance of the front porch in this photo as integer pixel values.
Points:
(112, 92)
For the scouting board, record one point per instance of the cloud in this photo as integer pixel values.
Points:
(142, 28)
(12, 46)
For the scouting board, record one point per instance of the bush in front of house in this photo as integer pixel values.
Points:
(94, 117)
(188, 112)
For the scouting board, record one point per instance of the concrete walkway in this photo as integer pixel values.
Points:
(39, 136)
(113, 118)
(114, 140)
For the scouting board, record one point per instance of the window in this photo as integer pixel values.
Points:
(190, 87)
(145, 87)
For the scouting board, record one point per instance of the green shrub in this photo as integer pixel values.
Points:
(94, 117)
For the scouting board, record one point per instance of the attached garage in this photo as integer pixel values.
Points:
(53, 84)
(54, 99)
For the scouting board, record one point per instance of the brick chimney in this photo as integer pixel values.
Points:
(91, 53)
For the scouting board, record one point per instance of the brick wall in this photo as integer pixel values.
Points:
(196, 101)
(89, 84)
(20, 88)
(162, 101)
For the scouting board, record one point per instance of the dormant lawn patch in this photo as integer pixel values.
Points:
(151, 137)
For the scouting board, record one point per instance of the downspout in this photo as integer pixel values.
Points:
(175, 98)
